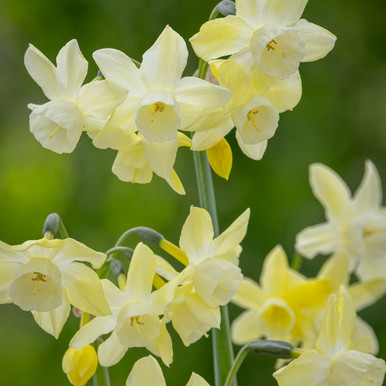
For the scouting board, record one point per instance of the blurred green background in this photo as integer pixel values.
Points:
(340, 121)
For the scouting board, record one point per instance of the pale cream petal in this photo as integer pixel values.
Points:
(197, 234)
(165, 60)
(141, 273)
(330, 190)
(71, 68)
(163, 345)
(84, 289)
(219, 37)
(116, 298)
(336, 270)
(254, 151)
(232, 236)
(369, 194)
(216, 281)
(69, 250)
(329, 332)
(111, 351)
(120, 69)
(57, 125)
(286, 12)
(197, 380)
(311, 368)
(92, 330)
(364, 294)
(347, 317)
(277, 49)
(158, 116)
(282, 94)
(364, 338)
(160, 156)
(249, 295)
(100, 98)
(146, 371)
(209, 316)
(321, 238)
(274, 275)
(198, 92)
(372, 268)
(250, 10)
(43, 72)
(54, 320)
(319, 41)
(245, 329)
(8, 272)
(175, 183)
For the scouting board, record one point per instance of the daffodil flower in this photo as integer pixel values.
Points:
(338, 357)
(159, 101)
(276, 309)
(59, 123)
(45, 277)
(146, 371)
(134, 321)
(356, 225)
(265, 34)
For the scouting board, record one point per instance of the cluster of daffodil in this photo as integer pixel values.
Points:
(141, 110)
(288, 306)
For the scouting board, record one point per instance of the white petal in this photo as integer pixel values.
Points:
(160, 156)
(8, 271)
(319, 41)
(198, 92)
(120, 69)
(165, 60)
(321, 238)
(158, 116)
(71, 68)
(286, 12)
(54, 320)
(43, 72)
(92, 330)
(369, 194)
(364, 294)
(197, 380)
(254, 151)
(57, 125)
(250, 10)
(197, 234)
(146, 371)
(111, 351)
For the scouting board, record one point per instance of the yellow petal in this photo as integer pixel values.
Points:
(175, 182)
(197, 380)
(220, 158)
(146, 371)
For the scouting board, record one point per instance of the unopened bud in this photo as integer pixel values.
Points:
(149, 235)
(226, 7)
(116, 267)
(51, 225)
(272, 348)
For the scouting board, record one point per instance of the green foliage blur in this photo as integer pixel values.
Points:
(340, 121)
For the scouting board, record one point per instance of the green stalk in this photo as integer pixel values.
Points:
(221, 341)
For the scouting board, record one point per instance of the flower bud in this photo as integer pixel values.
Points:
(226, 7)
(80, 365)
(51, 225)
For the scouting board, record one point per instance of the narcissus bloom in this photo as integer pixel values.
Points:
(146, 371)
(338, 358)
(265, 34)
(134, 321)
(58, 124)
(356, 225)
(159, 101)
(277, 308)
(80, 365)
(45, 277)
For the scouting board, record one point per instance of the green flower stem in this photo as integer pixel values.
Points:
(296, 262)
(236, 365)
(221, 341)
(101, 376)
(62, 229)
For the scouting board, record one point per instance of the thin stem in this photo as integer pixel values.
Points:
(221, 342)
(296, 262)
(101, 376)
(236, 365)
(62, 229)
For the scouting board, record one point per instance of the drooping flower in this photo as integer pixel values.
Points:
(134, 321)
(146, 371)
(265, 34)
(59, 123)
(356, 225)
(80, 365)
(45, 277)
(338, 357)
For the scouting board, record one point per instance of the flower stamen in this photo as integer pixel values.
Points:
(54, 132)
(250, 117)
(272, 45)
(158, 106)
(39, 277)
(135, 320)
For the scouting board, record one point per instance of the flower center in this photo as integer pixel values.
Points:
(272, 45)
(135, 320)
(250, 115)
(157, 107)
(39, 277)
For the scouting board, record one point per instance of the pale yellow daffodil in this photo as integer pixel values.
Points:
(338, 357)
(277, 308)
(58, 124)
(356, 225)
(160, 102)
(45, 277)
(265, 34)
(146, 371)
(134, 321)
